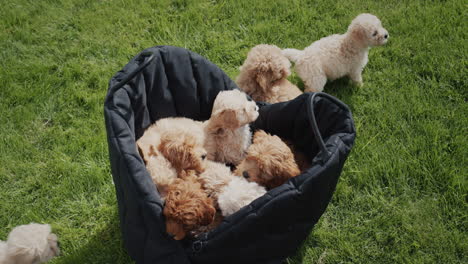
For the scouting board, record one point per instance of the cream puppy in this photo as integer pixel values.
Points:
(29, 244)
(230, 192)
(227, 131)
(337, 55)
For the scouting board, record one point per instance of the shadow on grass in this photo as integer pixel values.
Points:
(298, 258)
(106, 246)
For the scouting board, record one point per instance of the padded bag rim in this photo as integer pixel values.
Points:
(144, 203)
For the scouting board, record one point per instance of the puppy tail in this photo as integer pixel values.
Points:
(292, 54)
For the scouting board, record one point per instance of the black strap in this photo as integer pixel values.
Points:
(313, 123)
(146, 57)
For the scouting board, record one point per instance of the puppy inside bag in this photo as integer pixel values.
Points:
(226, 135)
(170, 82)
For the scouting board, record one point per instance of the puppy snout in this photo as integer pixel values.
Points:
(245, 174)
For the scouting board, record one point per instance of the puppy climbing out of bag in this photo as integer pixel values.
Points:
(264, 75)
(227, 131)
(337, 55)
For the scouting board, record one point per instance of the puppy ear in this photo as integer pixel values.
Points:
(175, 152)
(143, 151)
(229, 117)
(358, 32)
(285, 72)
(209, 214)
(263, 80)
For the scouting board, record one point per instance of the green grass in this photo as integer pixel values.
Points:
(402, 197)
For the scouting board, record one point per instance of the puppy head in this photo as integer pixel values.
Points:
(266, 65)
(187, 207)
(269, 161)
(368, 30)
(184, 151)
(232, 109)
(31, 244)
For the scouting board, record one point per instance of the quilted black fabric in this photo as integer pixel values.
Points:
(167, 81)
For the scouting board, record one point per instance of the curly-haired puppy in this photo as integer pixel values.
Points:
(227, 131)
(237, 194)
(264, 75)
(160, 169)
(181, 143)
(29, 244)
(230, 192)
(214, 178)
(187, 207)
(269, 161)
(337, 55)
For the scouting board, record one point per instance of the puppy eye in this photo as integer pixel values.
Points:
(246, 175)
(203, 157)
(375, 33)
(177, 193)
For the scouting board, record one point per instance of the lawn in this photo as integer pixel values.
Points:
(402, 197)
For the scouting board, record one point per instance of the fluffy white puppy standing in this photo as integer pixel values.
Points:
(338, 55)
(29, 244)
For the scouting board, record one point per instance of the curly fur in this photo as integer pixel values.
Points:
(269, 161)
(229, 191)
(160, 169)
(227, 131)
(264, 75)
(187, 207)
(181, 143)
(337, 55)
(29, 244)
(237, 194)
(215, 177)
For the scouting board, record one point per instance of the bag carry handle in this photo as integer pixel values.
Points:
(313, 121)
(147, 56)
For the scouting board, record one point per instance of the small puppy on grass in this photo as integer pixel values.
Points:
(269, 161)
(29, 244)
(227, 131)
(264, 75)
(337, 55)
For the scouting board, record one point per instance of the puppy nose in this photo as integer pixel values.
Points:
(245, 174)
(385, 36)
